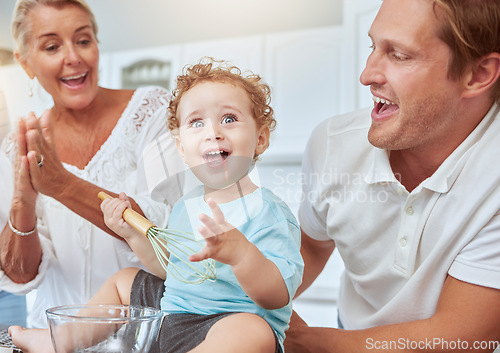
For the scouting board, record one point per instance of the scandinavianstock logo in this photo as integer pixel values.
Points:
(349, 187)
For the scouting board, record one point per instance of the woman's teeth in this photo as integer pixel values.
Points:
(73, 77)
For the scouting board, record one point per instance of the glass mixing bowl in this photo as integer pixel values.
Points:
(103, 328)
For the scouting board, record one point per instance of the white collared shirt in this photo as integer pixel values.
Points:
(399, 247)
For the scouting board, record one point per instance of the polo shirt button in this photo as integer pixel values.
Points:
(403, 242)
(410, 211)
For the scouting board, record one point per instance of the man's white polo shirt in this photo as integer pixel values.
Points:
(399, 247)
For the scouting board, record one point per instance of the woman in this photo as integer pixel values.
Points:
(90, 140)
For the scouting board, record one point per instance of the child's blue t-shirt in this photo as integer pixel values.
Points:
(267, 222)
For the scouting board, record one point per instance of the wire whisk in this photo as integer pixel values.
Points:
(167, 243)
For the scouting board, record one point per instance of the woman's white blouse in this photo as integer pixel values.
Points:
(78, 256)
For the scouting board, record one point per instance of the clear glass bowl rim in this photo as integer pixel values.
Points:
(53, 312)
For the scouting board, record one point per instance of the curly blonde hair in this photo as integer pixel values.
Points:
(212, 70)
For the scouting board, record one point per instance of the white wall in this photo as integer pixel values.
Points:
(15, 84)
(135, 24)
(4, 116)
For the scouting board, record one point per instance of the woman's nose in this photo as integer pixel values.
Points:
(71, 55)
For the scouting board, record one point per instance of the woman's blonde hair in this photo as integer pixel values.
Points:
(21, 26)
(471, 28)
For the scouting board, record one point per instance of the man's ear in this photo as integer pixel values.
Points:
(24, 65)
(262, 139)
(482, 77)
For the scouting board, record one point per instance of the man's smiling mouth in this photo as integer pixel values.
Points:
(384, 105)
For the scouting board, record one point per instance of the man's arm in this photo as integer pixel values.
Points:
(467, 319)
(315, 254)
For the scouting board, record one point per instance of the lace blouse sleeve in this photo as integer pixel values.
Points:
(157, 158)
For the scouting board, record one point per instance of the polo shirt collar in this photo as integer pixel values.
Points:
(444, 177)
(380, 170)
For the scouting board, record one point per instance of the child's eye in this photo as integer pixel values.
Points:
(229, 118)
(196, 123)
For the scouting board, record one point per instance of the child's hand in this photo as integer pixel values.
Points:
(224, 243)
(112, 209)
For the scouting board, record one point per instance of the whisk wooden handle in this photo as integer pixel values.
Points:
(133, 218)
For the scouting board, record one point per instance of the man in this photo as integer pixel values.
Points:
(414, 210)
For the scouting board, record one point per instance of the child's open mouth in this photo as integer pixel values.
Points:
(216, 158)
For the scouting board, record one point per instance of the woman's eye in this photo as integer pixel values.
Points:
(51, 48)
(197, 123)
(227, 119)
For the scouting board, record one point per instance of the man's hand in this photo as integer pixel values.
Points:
(293, 341)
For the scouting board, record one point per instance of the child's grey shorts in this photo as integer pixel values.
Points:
(179, 333)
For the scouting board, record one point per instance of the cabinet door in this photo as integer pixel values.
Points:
(304, 69)
(140, 67)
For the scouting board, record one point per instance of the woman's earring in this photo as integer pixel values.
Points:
(31, 84)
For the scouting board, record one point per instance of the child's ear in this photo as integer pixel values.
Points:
(24, 65)
(179, 146)
(262, 139)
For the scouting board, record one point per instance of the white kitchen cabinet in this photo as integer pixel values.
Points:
(304, 69)
(158, 65)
